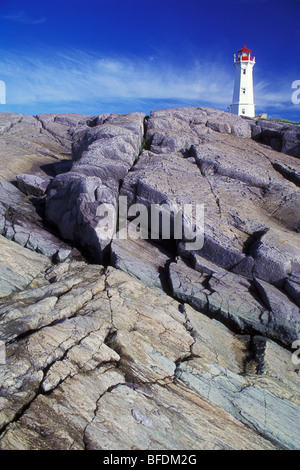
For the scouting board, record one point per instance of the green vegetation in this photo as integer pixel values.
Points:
(285, 121)
(144, 145)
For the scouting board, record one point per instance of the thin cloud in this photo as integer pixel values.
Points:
(78, 79)
(79, 76)
(273, 94)
(21, 17)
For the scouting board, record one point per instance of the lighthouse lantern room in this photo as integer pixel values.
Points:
(243, 97)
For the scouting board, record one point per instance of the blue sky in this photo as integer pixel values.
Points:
(115, 56)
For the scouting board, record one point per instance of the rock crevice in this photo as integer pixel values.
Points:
(116, 342)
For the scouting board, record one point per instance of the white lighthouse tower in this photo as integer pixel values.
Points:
(243, 97)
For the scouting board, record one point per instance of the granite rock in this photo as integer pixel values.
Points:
(283, 137)
(177, 378)
(102, 156)
(191, 343)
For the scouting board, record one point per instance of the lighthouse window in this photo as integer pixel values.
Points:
(244, 71)
(243, 111)
(244, 90)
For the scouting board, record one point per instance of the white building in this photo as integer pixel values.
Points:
(243, 97)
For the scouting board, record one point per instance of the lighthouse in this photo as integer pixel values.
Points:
(243, 97)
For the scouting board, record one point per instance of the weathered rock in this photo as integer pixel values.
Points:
(194, 367)
(18, 268)
(250, 204)
(21, 220)
(284, 315)
(142, 260)
(236, 302)
(121, 345)
(283, 137)
(33, 185)
(292, 287)
(30, 143)
(103, 154)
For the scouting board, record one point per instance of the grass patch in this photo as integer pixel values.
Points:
(284, 121)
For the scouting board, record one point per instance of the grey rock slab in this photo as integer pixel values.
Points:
(272, 417)
(73, 204)
(83, 341)
(276, 256)
(61, 126)
(232, 299)
(250, 226)
(25, 147)
(188, 286)
(18, 267)
(283, 137)
(198, 116)
(142, 260)
(103, 154)
(33, 184)
(292, 287)
(284, 314)
(21, 222)
(234, 302)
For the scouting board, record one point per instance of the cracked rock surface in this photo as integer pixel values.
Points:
(125, 343)
(97, 360)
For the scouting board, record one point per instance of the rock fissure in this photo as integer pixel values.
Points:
(167, 336)
(44, 127)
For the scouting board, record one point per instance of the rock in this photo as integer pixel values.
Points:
(233, 300)
(188, 285)
(189, 339)
(103, 154)
(283, 137)
(292, 287)
(218, 126)
(21, 220)
(121, 345)
(142, 260)
(285, 315)
(243, 236)
(33, 185)
(18, 268)
(26, 146)
(291, 174)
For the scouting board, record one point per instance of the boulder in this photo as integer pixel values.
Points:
(103, 154)
(33, 185)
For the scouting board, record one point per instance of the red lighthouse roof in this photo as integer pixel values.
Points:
(245, 49)
(244, 54)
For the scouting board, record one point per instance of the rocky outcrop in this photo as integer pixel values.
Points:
(21, 220)
(283, 137)
(103, 154)
(17, 272)
(251, 223)
(83, 341)
(191, 343)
